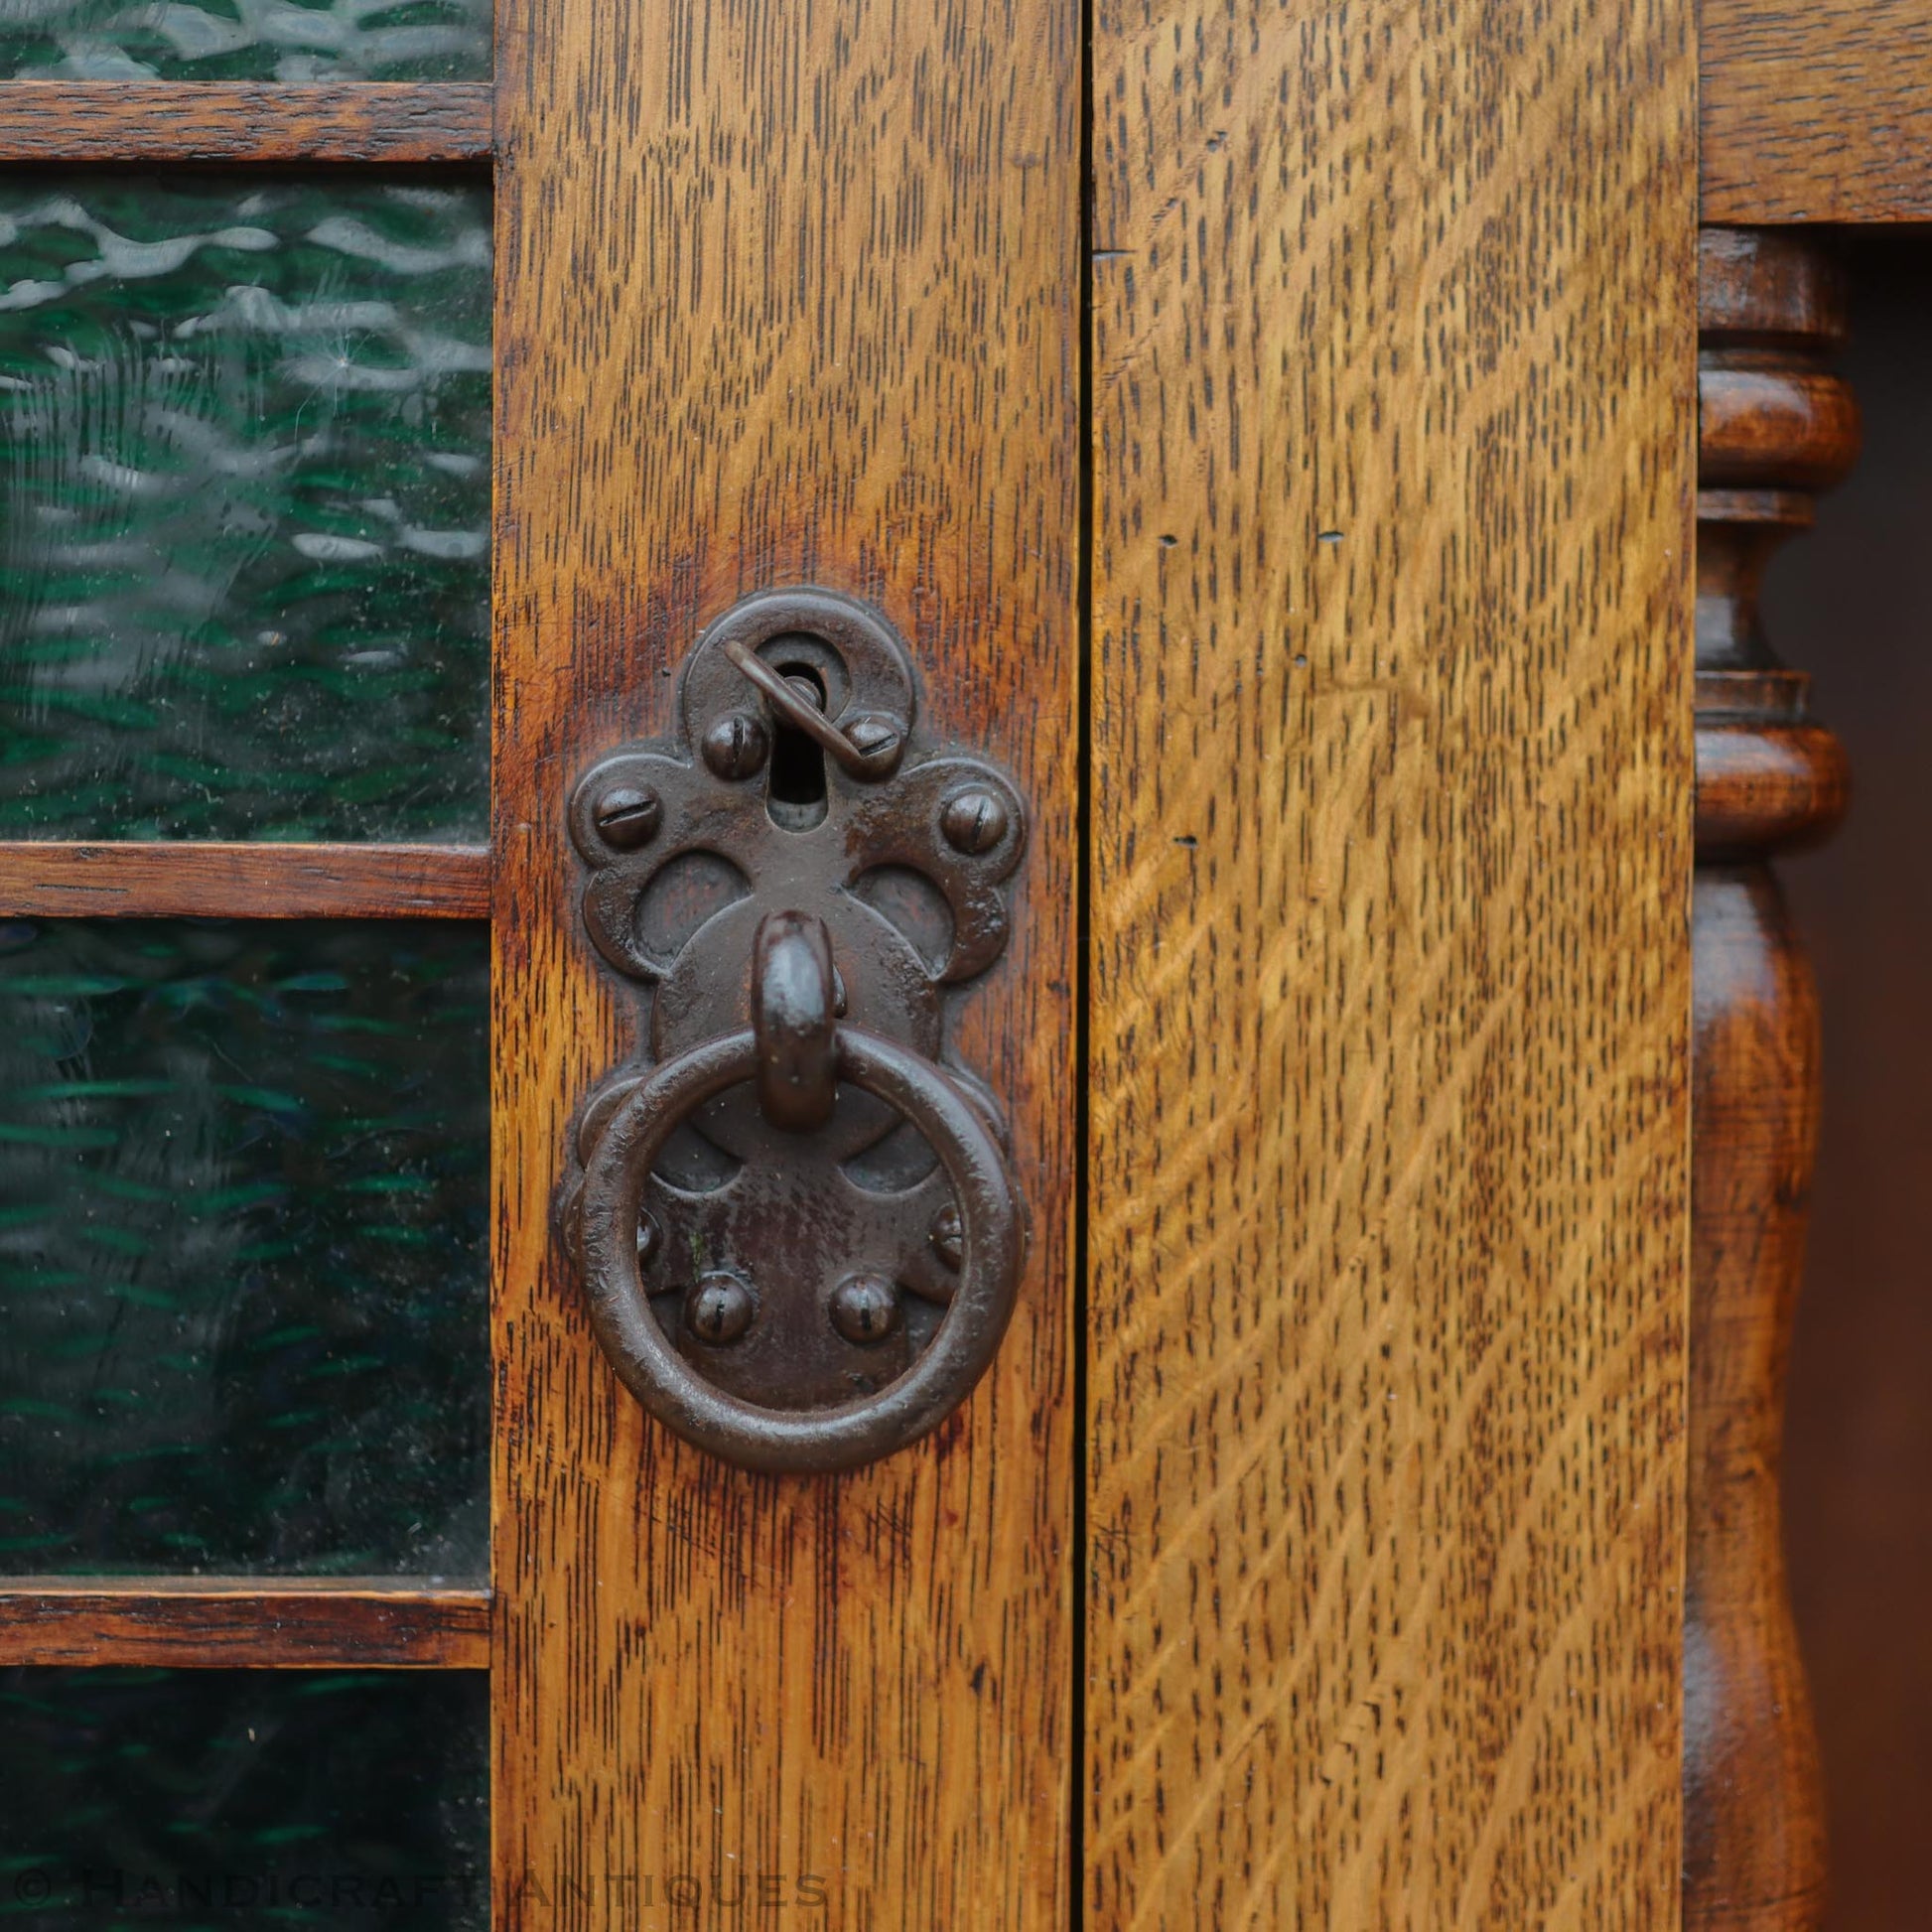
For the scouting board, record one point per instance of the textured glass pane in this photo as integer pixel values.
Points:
(243, 1799)
(244, 509)
(246, 40)
(242, 1173)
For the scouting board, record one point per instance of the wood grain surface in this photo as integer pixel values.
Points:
(786, 294)
(347, 1623)
(1815, 110)
(387, 121)
(211, 879)
(1776, 425)
(1753, 1809)
(1393, 436)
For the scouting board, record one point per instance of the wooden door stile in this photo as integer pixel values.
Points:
(786, 295)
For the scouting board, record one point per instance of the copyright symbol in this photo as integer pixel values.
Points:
(33, 1888)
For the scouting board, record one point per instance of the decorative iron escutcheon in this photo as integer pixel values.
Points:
(793, 1215)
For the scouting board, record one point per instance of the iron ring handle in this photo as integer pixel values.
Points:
(794, 1007)
(800, 1441)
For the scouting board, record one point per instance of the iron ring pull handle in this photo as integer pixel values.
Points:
(795, 1002)
(797, 1051)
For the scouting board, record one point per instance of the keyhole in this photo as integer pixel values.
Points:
(794, 791)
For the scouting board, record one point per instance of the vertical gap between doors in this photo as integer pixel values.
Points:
(1083, 967)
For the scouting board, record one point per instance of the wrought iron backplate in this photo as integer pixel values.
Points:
(798, 862)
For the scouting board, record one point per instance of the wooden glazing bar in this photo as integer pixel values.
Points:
(350, 1623)
(246, 121)
(43, 879)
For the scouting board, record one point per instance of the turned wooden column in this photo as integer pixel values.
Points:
(1775, 427)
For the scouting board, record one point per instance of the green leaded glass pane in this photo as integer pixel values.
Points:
(243, 1184)
(245, 510)
(246, 40)
(247, 1799)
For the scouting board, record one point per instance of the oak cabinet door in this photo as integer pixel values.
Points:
(1359, 1599)
(1267, 434)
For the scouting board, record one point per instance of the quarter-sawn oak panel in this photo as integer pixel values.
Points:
(1394, 313)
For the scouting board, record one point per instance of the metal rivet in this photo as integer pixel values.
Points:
(948, 1235)
(719, 1308)
(736, 744)
(973, 821)
(628, 816)
(649, 1235)
(880, 743)
(864, 1307)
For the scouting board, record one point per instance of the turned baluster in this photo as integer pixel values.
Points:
(1775, 427)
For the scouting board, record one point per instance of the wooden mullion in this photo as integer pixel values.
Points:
(248, 121)
(189, 880)
(244, 1622)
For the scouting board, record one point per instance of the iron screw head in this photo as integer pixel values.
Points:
(719, 1308)
(628, 816)
(880, 743)
(948, 1235)
(973, 821)
(649, 1235)
(736, 744)
(865, 1308)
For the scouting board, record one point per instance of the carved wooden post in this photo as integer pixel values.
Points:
(1775, 427)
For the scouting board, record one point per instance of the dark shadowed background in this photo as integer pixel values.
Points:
(1852, 604)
